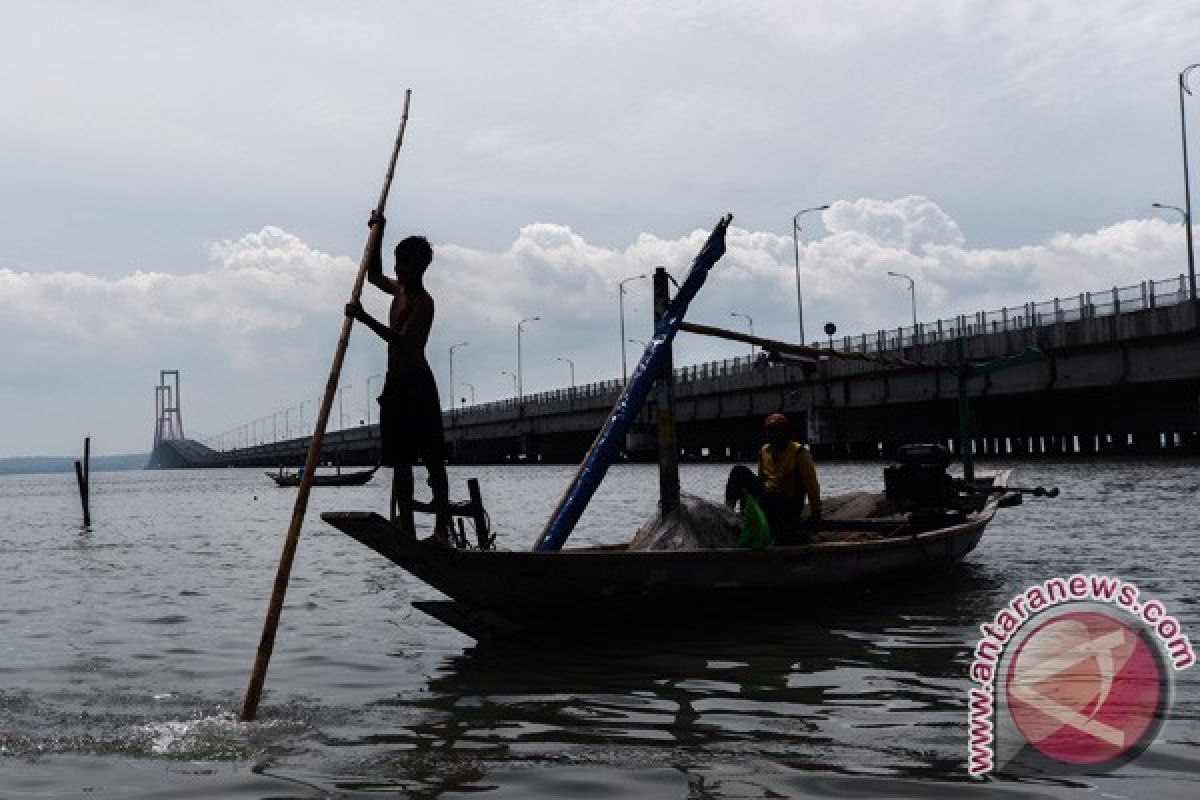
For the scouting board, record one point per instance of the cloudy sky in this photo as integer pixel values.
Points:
(185, 185)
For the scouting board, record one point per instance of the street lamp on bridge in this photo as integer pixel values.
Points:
(1187, 191)
(749, 321)
(1187, 226)
(796, 247)
(520, 379)
(453, 405)
(621, 303)
(570, 364)
(912, 289)
(341, 419)
(470, 386)
(514, 380)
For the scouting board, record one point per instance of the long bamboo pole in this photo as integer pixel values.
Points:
(274, 609)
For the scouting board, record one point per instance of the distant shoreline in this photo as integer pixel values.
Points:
(41, 465)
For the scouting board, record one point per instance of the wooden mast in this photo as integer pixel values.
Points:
(664, 412)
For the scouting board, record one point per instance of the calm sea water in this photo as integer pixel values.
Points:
(124, 652)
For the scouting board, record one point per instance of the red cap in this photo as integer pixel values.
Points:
(777, 421)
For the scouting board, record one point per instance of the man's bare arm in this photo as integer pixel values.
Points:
(356, 311)
(375, 257)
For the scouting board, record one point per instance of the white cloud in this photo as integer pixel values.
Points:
(254, 332)
(909, 223)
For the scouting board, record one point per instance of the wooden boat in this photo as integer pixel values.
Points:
(550, 589)
(498, 593)
(340, 478)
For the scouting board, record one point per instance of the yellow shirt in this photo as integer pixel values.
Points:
(784, 474)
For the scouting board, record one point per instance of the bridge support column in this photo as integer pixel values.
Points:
(1145, 443)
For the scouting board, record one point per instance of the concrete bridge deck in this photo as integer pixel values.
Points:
(1114, 379)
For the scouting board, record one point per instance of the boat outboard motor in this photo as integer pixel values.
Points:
(920, 486)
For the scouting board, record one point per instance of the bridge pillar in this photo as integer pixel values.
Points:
(1145, 443)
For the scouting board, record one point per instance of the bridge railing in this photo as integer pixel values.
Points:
(1105, 302)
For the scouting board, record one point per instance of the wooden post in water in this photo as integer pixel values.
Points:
(83, 476)
(275, 608)
(478, 515)
(664, 401)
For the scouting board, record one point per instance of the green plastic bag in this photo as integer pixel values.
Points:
(756, 533)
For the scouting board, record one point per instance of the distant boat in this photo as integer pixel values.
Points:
(497, 593)
(339, 478)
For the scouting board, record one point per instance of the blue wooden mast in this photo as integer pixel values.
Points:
(608, 442)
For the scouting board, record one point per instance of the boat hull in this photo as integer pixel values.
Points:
(344, 479)
(497, 592)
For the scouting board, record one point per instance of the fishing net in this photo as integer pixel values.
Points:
(696, 525)
(701, 525)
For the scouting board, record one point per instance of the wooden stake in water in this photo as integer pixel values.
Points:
(83, 476)
(274, 609)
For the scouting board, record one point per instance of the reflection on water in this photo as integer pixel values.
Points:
(126, 649)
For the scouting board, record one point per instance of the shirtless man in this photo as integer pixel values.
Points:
(410, 413)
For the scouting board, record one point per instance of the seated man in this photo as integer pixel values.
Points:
(786, 475)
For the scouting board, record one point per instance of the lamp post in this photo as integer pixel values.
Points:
(453, 405)
(287, 423)
(470, 386)
(1187, 191)
(749, 321)
(520, 377)
(571, 364)
(796, 247)
(1187, 225)
(369, 379)
(621, 302)
(514, 379)
(912, 289)
(341, 422)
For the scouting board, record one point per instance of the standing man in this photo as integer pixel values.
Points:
(786, 475)
(410, 413)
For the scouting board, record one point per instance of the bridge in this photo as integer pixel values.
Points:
(1121, 374)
